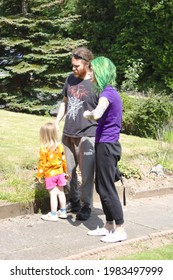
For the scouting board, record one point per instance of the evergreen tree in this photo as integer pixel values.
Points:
(35, 55)
(37, 37)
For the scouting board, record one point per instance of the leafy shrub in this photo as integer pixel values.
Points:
(132, 74)
(29, 109)
(146, 117)
(130, 107)
(153, 114)
(129, 171)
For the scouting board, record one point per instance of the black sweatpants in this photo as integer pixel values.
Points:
(107, 156)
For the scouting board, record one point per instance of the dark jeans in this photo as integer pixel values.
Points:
(107, 156)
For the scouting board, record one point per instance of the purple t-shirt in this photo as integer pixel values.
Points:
(109, 124)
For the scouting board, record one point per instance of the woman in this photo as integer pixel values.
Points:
(107, 148)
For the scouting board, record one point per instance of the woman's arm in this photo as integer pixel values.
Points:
(98, 112)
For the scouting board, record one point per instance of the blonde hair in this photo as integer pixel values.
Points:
(49, 136)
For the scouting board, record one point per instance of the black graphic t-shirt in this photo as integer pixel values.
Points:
(80, 98)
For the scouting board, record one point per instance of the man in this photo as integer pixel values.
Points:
(79, 133)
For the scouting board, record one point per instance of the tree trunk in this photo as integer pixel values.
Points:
(24, 7)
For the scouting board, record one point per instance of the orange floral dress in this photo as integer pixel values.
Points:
(51, 162)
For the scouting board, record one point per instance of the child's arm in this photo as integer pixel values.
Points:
(41, 165)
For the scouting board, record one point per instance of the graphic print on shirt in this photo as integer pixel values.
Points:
(74, 105)
(74, 100)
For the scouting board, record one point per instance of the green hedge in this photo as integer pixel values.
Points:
(146, 117)
(142, 116)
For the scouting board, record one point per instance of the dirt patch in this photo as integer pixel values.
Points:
(118, 250)
(149, 181)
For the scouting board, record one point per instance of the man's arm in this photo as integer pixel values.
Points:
(61, 111)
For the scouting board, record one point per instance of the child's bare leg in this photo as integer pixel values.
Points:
(62, 198)
(52, 216)
(62, 202)
(53, 200)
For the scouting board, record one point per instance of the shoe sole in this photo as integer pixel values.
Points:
(113, 241)
(98, 233)
(49, 220)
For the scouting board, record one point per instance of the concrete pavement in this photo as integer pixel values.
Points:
(27, 237)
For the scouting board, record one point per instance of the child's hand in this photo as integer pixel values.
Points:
(37, 184)
(67, 176)
(37, 180)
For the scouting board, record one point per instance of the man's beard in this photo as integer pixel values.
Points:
(80, 74)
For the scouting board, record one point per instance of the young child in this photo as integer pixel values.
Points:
(52, 167)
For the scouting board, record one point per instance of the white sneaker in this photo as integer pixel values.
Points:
(98, 231)
(49, 217)
(115, 236)
(62, 214)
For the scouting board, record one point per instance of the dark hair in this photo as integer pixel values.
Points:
(83, 53)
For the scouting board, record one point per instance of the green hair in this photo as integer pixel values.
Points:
(104, 72)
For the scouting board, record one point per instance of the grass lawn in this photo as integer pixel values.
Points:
(162, 253)
(19, 147)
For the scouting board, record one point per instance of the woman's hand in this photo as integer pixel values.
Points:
(87, 114)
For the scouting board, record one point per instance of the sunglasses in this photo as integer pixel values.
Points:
(76, 56)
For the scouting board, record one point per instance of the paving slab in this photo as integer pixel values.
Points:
(27, 237)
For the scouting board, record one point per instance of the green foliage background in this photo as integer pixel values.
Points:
(35, 50)
(37, 38)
